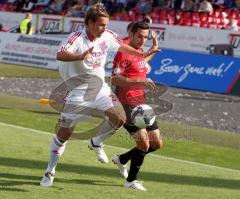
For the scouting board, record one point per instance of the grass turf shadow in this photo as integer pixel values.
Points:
(109, 172)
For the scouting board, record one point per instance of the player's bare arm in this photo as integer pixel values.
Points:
(124, 81)
(68, 56)
(124, 48)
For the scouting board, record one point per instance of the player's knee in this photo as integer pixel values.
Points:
(119, 121)
(144, 146)
(122, 120)
(116, 116)
(64, 133)
(157, 144)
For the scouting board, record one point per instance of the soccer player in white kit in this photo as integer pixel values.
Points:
(82, 59)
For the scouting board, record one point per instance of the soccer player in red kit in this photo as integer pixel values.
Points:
(129, 77)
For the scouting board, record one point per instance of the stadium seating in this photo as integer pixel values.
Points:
(38, 9)
(7, 7)
(159, 16)
(196, 23)
(195, 16)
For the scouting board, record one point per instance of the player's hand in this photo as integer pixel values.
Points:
(149, 68)
(154, 40)
(149, 83)
(86, 54)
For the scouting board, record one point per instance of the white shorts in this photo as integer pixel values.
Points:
(77, 108)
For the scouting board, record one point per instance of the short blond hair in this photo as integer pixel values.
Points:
(94, 12)
(28, 15)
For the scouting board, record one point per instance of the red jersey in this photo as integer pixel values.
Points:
(133, 67)
(126, 40)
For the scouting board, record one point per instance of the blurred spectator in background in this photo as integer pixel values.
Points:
(225, 20)
(55, 7)
(178, 19)
(110, 6)
(155, 3)
(27, 6)
(79, 9)
(1, 26)
(19, 5)
(218, 3)
(26, 25)
(236, 2)
(88, 4)
(144, 6)
(196, 5)
(177, 4)
(131, 4)
(187, 5)
(231, 4)
(233, 25)
(121, 4)
(206, 6)
(167, 4)
(67, 4)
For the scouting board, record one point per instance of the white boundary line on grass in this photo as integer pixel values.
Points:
(122, 148)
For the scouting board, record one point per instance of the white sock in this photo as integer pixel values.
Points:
(56, 150)
(105, 131)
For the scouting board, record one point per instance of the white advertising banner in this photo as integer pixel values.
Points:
(186, 38)
(37, 51)
(192, 39)
(12, 20)
(17, 49)
(50, 24)
(73, 24)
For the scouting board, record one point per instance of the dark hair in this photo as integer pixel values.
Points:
(129, 26)
(141, 25)
(146, 20)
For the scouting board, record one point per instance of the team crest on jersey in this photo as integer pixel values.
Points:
(117, 71)
(142, 64)
(103, 46)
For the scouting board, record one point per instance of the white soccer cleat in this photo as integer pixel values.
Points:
(135, 185)
(47, 180)
(122, 167)
(100, 153)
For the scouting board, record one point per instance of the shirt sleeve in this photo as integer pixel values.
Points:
(114, 40)
(71, 44)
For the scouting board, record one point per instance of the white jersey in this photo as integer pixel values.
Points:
(78, 42)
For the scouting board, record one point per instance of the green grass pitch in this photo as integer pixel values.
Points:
(194, 163)
(24, 155)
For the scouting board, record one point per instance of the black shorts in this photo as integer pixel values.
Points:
(130, 127)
